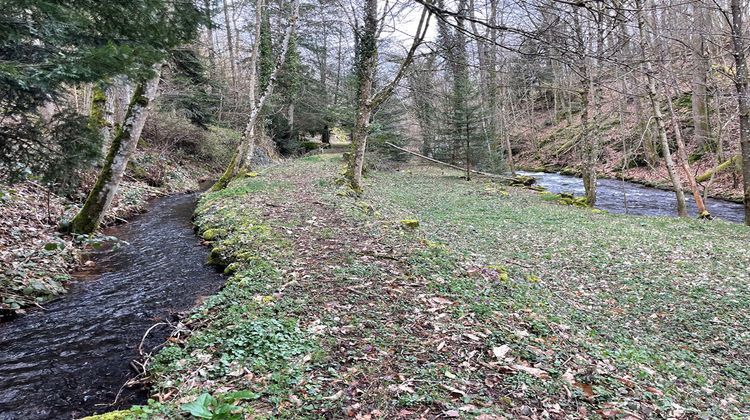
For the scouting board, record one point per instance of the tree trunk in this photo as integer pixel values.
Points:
(367, 59)
(701, 67)
(241, 160)
(210, 35)
(658, 117)
(124, 144)
(742, 85)
(588, 170)
(102, 114)
(683, 159)
(230, 45)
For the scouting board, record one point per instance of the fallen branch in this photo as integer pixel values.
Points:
(733, 161)
(487, 174)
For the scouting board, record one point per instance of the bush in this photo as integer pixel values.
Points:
(168, 133)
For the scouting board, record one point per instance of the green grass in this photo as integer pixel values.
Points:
(330, 294)
(661, 300)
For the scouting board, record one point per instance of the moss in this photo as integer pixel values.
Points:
(568, 171)
(734, 163)
(522, 180)
(365, 207)
(684, 101)
(311, 145)
(112, 415)
(232, 268)
(214, 234)
(217, 257)
(410, 223)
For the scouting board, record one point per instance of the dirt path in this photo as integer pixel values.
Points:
(381, 326)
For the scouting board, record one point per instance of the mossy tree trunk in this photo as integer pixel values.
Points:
(121, 150)
(102, 116)
(367, 102)
(368, 59)
(701, 66)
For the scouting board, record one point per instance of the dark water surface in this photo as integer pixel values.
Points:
(71, 359)
(630, 198)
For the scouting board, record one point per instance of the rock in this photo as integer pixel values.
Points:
(214, 234)
(216, 257)
(522, 180)
(410, 224)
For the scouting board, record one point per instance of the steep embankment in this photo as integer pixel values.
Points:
(36, 261)
(497, 304)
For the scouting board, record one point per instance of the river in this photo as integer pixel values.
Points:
(625, 197)
(71, 359)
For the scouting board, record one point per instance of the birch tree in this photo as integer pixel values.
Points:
(241, 160)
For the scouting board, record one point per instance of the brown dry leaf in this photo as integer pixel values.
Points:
(587, 389)
(654, 390)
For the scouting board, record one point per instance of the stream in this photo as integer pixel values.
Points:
(612, 195)
(71, 359)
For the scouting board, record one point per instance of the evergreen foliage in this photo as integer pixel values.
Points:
(46, 47)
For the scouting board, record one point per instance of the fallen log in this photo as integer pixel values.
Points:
(733, 161)
(439, 162)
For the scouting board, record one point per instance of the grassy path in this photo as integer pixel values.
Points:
(498, 305)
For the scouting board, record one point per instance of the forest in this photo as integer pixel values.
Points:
(490, 209)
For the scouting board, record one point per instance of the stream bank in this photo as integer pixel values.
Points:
(71, 359)
(37, 261)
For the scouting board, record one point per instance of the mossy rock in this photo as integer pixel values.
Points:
(523, 181)
(568, 171)
(410, 224)
(537, 188)
(366, 207)
(214, 234)
(232, 268)
(567, 195)
(570, 200)
(216, 257)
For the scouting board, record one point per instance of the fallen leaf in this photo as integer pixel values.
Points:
(500, 352)
(536, 372)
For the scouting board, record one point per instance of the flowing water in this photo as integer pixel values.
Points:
(625, 197)
(71, 359)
